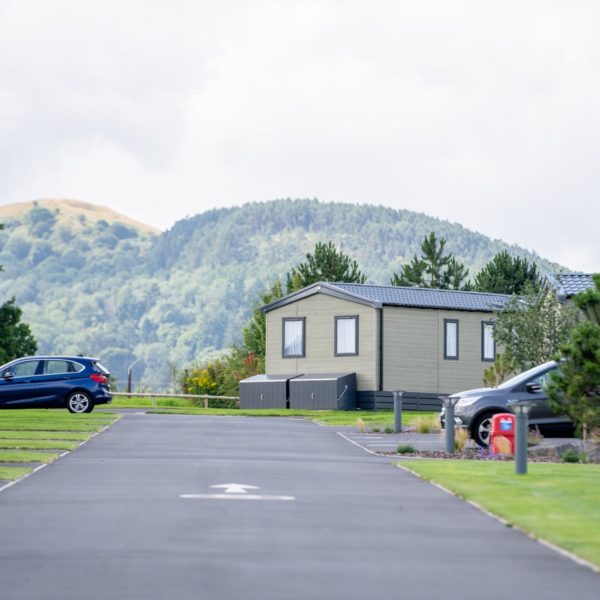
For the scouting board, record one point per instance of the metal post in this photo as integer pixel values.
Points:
(521, 409)
(449, 403)
(130, 368)
(398, 411)
(521, 444)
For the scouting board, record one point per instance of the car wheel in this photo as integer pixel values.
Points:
(481, 428)
(79, 402)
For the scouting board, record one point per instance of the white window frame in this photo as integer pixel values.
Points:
(337, 330)
(302, 345)
(449, 352)
(487, 326)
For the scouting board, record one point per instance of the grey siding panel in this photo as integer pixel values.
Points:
(413, 351)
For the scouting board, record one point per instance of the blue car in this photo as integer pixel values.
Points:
(76, 383)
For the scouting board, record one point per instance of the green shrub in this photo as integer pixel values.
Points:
(571, 455)
(405, 449)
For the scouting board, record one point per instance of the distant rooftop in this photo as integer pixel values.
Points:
(387, 295)
(569, 284)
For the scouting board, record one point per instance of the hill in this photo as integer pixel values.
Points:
(73, 214)
(111, 287)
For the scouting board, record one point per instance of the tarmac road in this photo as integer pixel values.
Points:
(325, 520)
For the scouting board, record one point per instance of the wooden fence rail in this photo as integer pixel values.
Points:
(204, 397)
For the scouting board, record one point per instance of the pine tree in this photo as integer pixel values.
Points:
(433, 269)
(326, 263)
(505, 274)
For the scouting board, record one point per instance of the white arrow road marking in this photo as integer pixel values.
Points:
(234, 491)
(233, 497)
(235, 488)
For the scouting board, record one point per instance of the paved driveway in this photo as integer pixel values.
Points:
(325, 520)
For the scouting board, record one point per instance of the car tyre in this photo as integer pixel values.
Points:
(481, 429)
(79, 402)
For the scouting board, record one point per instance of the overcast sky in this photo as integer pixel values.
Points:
(483, 113)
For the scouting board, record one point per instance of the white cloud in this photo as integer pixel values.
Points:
(484, 114)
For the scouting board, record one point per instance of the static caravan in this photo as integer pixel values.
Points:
(425, 342)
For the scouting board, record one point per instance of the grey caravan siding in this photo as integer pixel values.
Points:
(413, 350)
(320, 311)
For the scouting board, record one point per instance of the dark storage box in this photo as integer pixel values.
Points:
(265, 391)
(324, 391)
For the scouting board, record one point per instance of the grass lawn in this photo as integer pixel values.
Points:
(52, 420)
(19, 456)
(44, 435)
(25, 432)
(12, 473)
(27, 444)
(339, 418)
(556, 502)
(381, 418)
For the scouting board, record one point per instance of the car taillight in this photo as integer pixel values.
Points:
(99, 378)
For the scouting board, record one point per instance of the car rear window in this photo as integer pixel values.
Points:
(101, 369)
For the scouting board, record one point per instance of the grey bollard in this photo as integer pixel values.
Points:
(450, 428)
(398, 411)
(521, 444)
(521, 409)
(449, 403)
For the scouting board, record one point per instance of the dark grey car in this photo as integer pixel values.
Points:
(475, 408)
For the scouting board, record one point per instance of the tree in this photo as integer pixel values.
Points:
(16, 339)
(575, 389)
(505, 274)
(254, 333)
(326, 263)
(531, 328)
(494, 375)
(433, 269)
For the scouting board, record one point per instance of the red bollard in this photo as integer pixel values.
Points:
(503, 426)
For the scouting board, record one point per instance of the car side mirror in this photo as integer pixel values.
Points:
(8, 375)
(533, 388)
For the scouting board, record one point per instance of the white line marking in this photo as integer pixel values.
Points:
(383, 445)
(411, 442)
(355, 443)
(233, 497)
(235, 488)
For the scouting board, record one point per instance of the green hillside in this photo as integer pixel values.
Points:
(92, 281)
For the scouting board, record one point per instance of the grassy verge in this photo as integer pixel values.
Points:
(20, 456)
(380, 419)
(44, 435)
(12, 473)
(25, 433)
(27, 444)
(556, 502)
